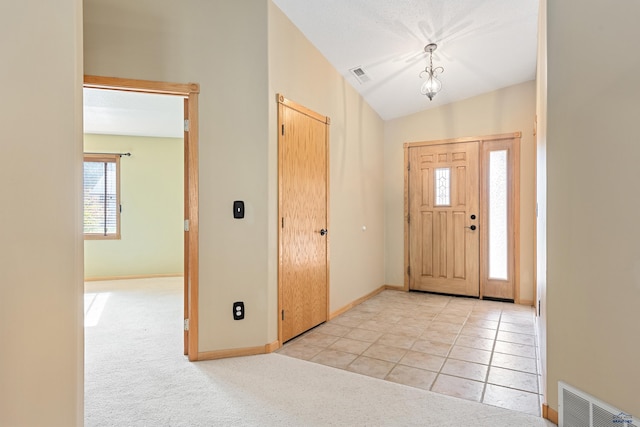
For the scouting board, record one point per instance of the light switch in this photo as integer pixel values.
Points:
(238, 209)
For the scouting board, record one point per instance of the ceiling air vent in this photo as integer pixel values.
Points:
(360, 75)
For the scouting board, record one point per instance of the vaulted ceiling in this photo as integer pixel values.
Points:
(483, 45)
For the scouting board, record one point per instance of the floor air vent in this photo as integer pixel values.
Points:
(578, 409)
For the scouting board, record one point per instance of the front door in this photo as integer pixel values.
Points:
(443, 197)
(303, 237)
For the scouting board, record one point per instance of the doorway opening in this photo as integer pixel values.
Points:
(462, 216)
(188, 93)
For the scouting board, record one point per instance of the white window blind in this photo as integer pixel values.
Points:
(101, 199)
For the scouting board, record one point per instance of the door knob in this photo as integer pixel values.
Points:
(323, 231)
(473, 227)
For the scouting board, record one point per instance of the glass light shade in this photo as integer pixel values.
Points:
(431, 87)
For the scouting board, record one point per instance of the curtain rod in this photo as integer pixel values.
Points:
(114, 154)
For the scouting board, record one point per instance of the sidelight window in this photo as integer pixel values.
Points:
(498, 216)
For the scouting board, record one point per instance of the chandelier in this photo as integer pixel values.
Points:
(432, 86)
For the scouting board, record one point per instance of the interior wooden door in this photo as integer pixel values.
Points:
(303, 237)
(444, 239)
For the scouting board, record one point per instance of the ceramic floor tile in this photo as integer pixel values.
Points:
(512, 399)
(364, 335)
(388, 317)
(444, 327)
(348, 321)
(413, 377)
(361, 314)
(300, 351)
(457, 311)
(447, 318)
(421, 323)
(383, 352)
(469, 370)
(513, 379)
(470, 354)
(478, 332)
(371, 367)
(487, 324)
(488, 314)
(437, 336)
(337, 359)
(410, 331)
(398, 341)
(515, 349)
(408, 338)
(431, 347)
(516, 363)
(374, 325)
(426, 361)
(518, 320)
(318, 339)
(350, 346)
(475, 342)
(333, 329)
(517, 328)
(516, 338)
(458, 387)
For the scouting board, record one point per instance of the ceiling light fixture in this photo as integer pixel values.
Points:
(432, 86)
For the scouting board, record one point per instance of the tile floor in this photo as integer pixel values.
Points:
(477, 350)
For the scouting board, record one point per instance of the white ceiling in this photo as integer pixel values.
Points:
(483, 45)
(127, 113)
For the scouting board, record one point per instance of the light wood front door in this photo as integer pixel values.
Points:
(303, 238)
(443, 198)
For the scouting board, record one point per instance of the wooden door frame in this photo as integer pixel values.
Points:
(516, 204)
(190, 92)
(284, 102)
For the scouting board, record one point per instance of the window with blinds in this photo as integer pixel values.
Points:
(101, 196)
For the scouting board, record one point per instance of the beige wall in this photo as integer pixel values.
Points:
(506, 110)
(541, 194)
(151, 195)
(222, 45)
(593, 263)
(41, 356)
(299, 72)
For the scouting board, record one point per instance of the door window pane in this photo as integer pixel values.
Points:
(498, 210)
(443, 186)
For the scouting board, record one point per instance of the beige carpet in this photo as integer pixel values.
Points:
(136, 376)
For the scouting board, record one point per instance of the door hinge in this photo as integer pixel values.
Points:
(539, 308)
(408, 219)
(408, 270)
(282, 129)
(408, 166)
(282, 314)
(120, 207)
(282, 222)
(186, 125)
(186, 225)
(186, 324)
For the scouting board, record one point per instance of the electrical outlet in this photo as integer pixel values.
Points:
(238, 310)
